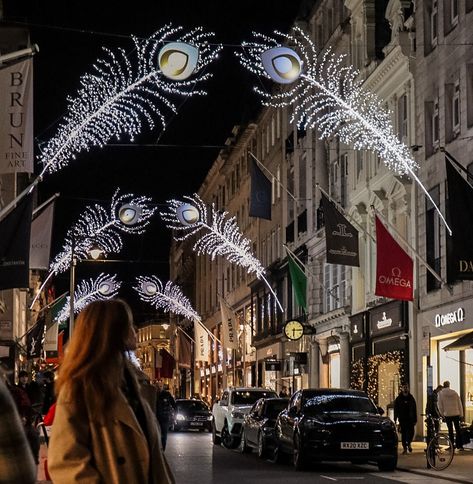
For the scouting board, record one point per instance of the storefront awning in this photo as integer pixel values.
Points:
(465, 342)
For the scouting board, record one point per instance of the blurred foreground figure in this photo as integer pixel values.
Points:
(16, 460)
(104, 430)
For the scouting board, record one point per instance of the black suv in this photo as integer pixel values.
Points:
(191, 414)
(335, 425)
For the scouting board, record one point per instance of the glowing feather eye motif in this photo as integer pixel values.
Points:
(106, 288)
(188, 214)
(282, 64)
(178, 60)
(129, 214)
(149, 288)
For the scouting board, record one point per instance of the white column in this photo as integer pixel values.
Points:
(344, 360)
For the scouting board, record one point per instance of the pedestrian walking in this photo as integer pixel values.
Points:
(451, 409)
(405, 411)
(165, 405)
(104, 430)
(16, 459)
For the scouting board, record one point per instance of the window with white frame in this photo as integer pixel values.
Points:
(434, 15)
(334, 287)
(273, 190)
(273, 131)
(454, 12)
(402, 118)
(456, 108)
(359, 164)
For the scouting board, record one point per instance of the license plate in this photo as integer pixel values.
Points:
(354, 445)
(196, 424)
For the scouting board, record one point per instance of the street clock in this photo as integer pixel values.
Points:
(293, 330)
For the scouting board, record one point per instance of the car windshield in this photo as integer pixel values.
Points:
(248, 397)
(273, 409)
(192, 406)
(319, 403)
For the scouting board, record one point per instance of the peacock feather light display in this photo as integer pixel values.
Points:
(216, 234)
(103, 287)
(123, 92)
(326, 93)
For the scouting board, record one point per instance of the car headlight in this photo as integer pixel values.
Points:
(236, 414)
(209, 417)
(180, 417)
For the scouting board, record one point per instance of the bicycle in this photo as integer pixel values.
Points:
(440, 449)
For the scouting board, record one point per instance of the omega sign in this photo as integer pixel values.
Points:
(454, 317)
(395, 279)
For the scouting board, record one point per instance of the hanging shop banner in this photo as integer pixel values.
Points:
(15, 231)
(34, 339)
(185, 351)
(41, 230)
(341, 237)
(202, 346)
(260, 199)
(50, 339)
(459, 247)
(229, 326)
(16, 118)
(394, 268)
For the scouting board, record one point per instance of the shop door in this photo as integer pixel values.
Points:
(388, 384)
(334, 370)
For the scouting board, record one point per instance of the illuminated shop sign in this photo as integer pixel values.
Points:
(385, 322)
(456, 316)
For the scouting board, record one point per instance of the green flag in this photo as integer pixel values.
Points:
(299, 281)
(54, 309)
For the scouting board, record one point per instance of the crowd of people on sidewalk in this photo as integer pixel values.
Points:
(110, 423)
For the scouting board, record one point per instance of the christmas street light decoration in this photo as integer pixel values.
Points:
(124, 92)
(120, 95)
(169, 298)
(100, 289)
(102, 226)
(327, 94)
(217, 235)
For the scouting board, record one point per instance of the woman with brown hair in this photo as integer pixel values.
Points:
(104, 431)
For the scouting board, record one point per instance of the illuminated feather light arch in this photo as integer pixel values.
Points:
(327, 94)
(217, 234)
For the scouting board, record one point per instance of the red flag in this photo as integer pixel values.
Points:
(394, 268)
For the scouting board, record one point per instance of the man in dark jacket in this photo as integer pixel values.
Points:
(165, 404)
(405, 411)
(432, 410)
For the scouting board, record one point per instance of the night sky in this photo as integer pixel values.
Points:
(70, 35)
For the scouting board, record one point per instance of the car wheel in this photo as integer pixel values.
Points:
(388, 464)
(298, 455)
(215, 438)
(227, 440)
(243, 447)
(262, 451)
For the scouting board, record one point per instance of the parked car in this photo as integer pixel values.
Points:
(191, 414)
(335, 425)
(258, 427)
(229, 412)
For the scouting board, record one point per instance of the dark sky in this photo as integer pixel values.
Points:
(70, 35)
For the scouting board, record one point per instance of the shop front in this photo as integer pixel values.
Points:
(448, 339)
(380, 352)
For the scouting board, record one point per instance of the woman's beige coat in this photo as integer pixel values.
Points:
(115, 451)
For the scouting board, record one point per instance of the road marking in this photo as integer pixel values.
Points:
(329, 478)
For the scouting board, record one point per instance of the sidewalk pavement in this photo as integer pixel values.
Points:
(460, 470)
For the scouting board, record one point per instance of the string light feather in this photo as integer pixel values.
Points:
(167, 297)
(217, 234)
(102, 226)
(120, 95)
(328, 94)
(100, 289)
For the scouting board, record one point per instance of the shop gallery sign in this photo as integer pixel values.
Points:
(456, 316)
(16, 118)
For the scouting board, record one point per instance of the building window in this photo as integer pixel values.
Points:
(454, 11)
(434, 23)
(435, 126)
(273, 131)
(343, 179)
(450, 15)
(334, 287)
(402, 119)
(432, 234)
(359, 164)
(278, 123)
(456, 109)
(278, 181)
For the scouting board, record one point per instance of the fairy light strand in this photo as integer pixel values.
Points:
(329, 95)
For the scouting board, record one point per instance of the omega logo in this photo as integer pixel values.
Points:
(395, 279)
(454, 317)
